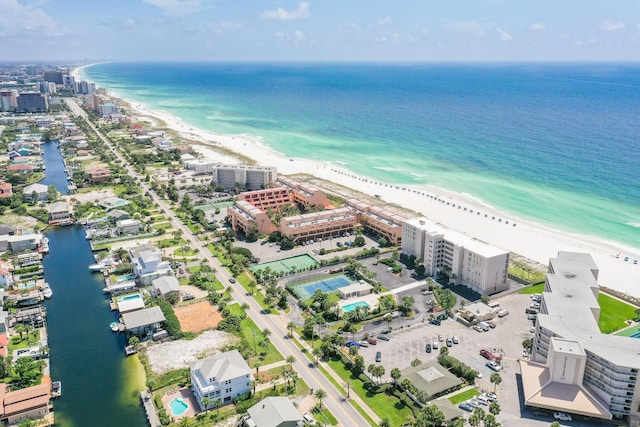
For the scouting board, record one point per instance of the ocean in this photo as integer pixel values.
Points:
(556, 144)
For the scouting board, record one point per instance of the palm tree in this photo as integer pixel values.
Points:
(495, 379)
(320, 394)
(384, 423)
(494, 408)
(206, 402)
(291, 360)
(290, 327)
(396, 374)
(228, 291)
(217, 404)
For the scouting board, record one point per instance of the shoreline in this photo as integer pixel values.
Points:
(527, 238)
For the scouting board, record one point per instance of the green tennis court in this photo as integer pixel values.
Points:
(298, 262)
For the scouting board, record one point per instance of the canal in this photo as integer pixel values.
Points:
(100, 386)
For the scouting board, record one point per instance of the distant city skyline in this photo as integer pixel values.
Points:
(328, 30)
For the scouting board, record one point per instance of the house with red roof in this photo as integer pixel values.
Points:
(30, 402)
(6, 189)
(98, 175)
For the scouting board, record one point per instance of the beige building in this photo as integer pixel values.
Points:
(270, 198)
(379, 220)
(305, 195)
(318, 224)
(246, 218)
(574, 367)
(468, 261)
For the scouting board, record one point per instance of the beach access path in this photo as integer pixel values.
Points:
(346, 414)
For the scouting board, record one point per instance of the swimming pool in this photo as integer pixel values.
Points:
(178, 406)
(350, 307)
(125, 278)
(27, 286)
(129, 297)
(636, 335)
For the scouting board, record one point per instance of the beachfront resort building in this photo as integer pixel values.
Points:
(379, 220)
(574, 367)
(467, 261)
(223, 377)
(249, 177)
(305, 195)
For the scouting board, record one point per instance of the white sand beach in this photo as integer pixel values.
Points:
(526, 238)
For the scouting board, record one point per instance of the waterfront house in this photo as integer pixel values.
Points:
(59, 212)
(113, 203)
(7, 229)
(143, 323)
(99, 175)
(20, 243)
(118, 214)
(31, 402)
(39, 190)
(126, 226)
(20, 169)
(165, 286)
(148, 264)
(223, 377)
(4, 344)
(274, 411)
(6, 189)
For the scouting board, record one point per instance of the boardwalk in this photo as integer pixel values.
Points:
(147, 402)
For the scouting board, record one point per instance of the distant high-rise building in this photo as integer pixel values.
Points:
(31, 102)
(56, 77)
(70, 82)
(85, 87)
(8, 100)
(47, 87)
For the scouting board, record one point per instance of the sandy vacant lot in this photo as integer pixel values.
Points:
(198, 317)
(178, 354)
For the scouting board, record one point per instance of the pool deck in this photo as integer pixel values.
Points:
(186, 394)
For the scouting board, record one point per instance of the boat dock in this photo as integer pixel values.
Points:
(147, 402)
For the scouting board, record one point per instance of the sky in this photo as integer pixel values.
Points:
(320, 30)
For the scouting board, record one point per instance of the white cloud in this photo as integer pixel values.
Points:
(299, 35)
(176, 7)
(537, 26)
(611, 25)
(281, 14)
(504, 36)
(424, 30)
(18, 19)
(129, 23)
(385, 21)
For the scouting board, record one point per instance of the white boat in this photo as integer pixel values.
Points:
(114, 326)
(120, 286)
(102, 265)
(46, 291)
(44, 245)
(56, 389)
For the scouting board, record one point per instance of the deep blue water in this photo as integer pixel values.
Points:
(555, 143)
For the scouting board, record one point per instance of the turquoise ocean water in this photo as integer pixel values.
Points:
(558, 144)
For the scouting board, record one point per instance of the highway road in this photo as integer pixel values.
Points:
(344, 412)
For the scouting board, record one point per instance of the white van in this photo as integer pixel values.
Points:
(503, 313)
(484, 326)
(494, 305)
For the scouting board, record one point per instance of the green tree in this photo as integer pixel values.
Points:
(206, 402)
(52, 193)
(384, 423)
(490, 421)
(430, 416)
(320, 394)
(555, 424)
(495, 379)
(291, 360)
(494, 408)
(395, 375)
(290, 327)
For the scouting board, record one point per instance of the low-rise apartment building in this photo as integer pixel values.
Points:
(379, 220)
(314, 225)
(574, 367)
(468, 261)
(303, 194)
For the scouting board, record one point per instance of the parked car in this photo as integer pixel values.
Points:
(493, 365)
(435, 345)
(232, 279)
(492, 397)
(449, 342)
(308, 419)
(492, 325)
(372, 341)
(378, 356)
(477, 402)
(435, 322)
(363, 343)
(455, 340)
(478, 328)
(487, 354)
(503, 313)
(353, 344)
(441, 338)
(383, 337)
(562, 416)
(465, 407)
(482, 398)
(427, 348)
(427, 292)
(186, 296)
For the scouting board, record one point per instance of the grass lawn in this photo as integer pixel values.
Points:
(465, 395)
(614, 313)
(324, 416)
(384, 406)
(27, 341)
(248, 328)
(244, 280)
(537, 289)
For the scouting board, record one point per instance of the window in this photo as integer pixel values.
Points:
(228, 390)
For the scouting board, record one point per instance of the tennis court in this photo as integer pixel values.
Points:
(299, 262)
(213, 206)
(330, 284)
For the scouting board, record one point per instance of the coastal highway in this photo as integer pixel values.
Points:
(344, 412)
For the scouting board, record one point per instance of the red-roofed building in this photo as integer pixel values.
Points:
(98, 175)
(31, 402)
(4, 342)
(6, 189)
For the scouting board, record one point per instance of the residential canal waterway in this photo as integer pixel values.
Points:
(100, 386)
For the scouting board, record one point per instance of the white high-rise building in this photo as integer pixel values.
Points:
(468, 261)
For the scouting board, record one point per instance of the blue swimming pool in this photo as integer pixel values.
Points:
(129, 297)
(178, 406)
(350, 307)
(125, 278)
(636, 335)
